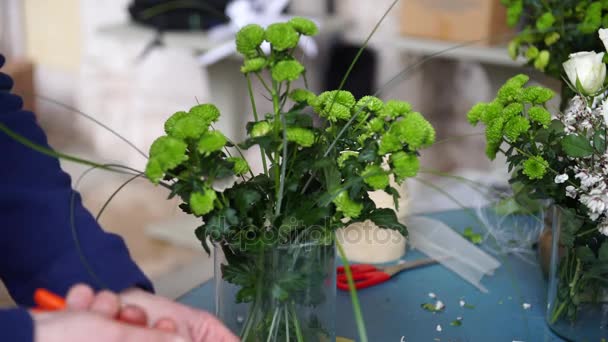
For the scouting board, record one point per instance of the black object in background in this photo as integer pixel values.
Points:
(362, 79)
(183, 15)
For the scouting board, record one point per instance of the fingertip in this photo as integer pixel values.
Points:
(166, 324)
(80, 297)
(132, 314)
(106, 303)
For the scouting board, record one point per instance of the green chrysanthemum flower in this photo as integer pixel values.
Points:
(371, 103)
(376, 125)
(540, 115)
(537, 95)
(404, 165)
(494, 131)
(375, 176)
(431, 134)
(513, 48)
(515, 127)
(260, 129)
(512, 89)
(210, 142)
(476, 113)
(287, 71)
(342, 97)
(395, 109)
(334, 105)
(253, 65)
(301, 95)
(240, 167)
(413, 130)
(389, 143)
(552, 38)
(189, 127)
(304, 26)
(542, 60)
(346, 155)
(249, 38)
(363, 137)
(301, 136)
(513, 109)
(166, 153)
(492, 111)
(282, 36)
(535, 167)
(202, 203)
(514, 12)
(347, 206)
(492, 149)
(532, 52)
(545, 21)
(170, 123)
(207, 112)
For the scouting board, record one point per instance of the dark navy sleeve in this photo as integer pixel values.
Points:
(16, 325)
(37, 248)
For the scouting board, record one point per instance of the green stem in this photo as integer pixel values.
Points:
(353, 295)
(296, 323)
(256, 117)
(272, 325)
(286, 323)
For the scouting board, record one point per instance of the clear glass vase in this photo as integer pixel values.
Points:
(281, 293)
(577, 302)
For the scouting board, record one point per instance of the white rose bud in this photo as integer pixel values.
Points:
(604, 37)
(586, 71)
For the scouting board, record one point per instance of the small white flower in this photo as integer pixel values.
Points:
(439, 305)
(462, 303)
(571, 191)
(559, 179)
(439, 328)
(603, 227)
(603, 33)
(432, 295)
(586, 71)
(526, 306)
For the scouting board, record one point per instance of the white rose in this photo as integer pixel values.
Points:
(586, 71)
(604, 37)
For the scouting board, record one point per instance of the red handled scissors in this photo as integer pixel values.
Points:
(369, 275)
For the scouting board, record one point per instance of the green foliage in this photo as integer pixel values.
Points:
(554, 29)
(577, 146)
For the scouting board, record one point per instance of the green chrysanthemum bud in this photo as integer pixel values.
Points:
(282, 36)
(347, 206)
(494, 131)
(170, 123)
(372, 103)
(344, 156)
(301, 136)
(431, 134)
(542, 60)
(513, 48)
(413, 130)
(515, 127)
(512, 110)
(540, 115)
(166, 153)
(363, 137)
(304, 26)
(537, 95)
(511, 90)
(545, 21)
(376, 125)
(552, 38)
(492, 112)
(404, 165)
(253, 65)
(240, 166)
(375, 176)
(287, 71)
(342, 97)
(249, 38)
(476, 113)
(535, 167)
(389, 143)
(514, 12)
(334, 105)
(202, 203)
(301, 96)
(207, 112)
(260, 129)
(211, 142)
(492, 149)
(532, 52)
(395, 109)
(189, 127)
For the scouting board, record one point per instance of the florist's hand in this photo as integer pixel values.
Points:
(195, 325)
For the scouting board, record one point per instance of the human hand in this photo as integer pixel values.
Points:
(195, 325)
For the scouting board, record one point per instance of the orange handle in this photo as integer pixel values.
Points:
(47, 300)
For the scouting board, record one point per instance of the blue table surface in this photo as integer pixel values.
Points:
(392, 310)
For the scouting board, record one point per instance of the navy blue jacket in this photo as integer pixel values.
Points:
(37, 248)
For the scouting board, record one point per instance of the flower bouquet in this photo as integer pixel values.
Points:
(273, 232)
(564, 159)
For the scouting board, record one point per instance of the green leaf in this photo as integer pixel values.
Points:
(279, 293)
(245, 295)
(577, 146)
(585, 254)
(220, 223)
(475, 238)
(599, 142)
(456, 323)
(387, 219)
(245, 199)
(369, 153)
(396, 196)
(603, 252)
